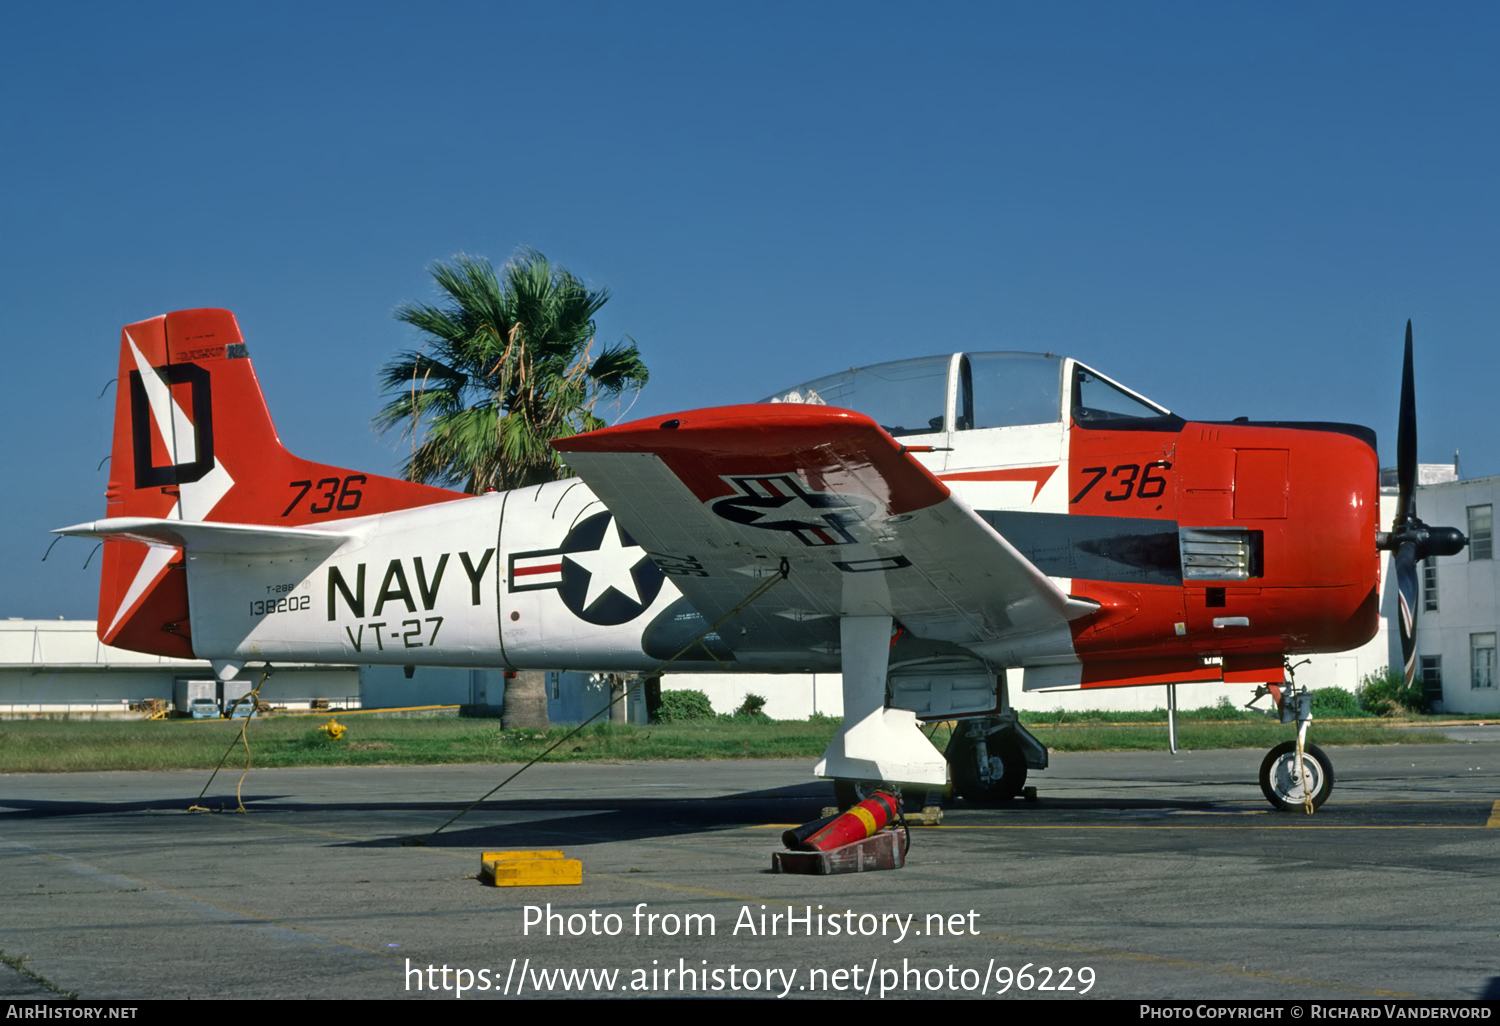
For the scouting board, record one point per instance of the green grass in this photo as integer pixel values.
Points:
(1197, 735)
(1213, 713)
(1222, 713)
(53, 746)
(1099, 732)
(18, 963)
(1213, 726)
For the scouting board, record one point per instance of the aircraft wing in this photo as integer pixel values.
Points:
(719, 497)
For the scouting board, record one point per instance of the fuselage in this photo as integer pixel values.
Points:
(1224, 544)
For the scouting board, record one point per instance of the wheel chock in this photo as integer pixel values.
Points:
(518, 856)
(881, 850)
(931, 815)
(529, 869)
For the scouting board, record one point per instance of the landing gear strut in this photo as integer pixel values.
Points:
(1295, 774)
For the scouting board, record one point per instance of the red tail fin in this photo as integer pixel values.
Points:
(194, 441)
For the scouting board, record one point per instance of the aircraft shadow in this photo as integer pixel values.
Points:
(600, 821)
(731, 809)
(591, 819)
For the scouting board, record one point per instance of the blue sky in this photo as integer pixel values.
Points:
(1231, 208)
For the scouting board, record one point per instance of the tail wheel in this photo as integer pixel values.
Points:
(1282, 786)
(986, 769)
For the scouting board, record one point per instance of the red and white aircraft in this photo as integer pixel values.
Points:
(979, 512)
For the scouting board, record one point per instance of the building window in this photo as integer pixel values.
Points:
(1481, 532)
(1482, 659)
(1432, 678)
(1429, 586)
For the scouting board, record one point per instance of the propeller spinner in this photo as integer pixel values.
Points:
(1411, 540)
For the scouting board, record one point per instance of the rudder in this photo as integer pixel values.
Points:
(175, 457)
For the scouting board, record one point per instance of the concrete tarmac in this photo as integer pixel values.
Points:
(1147, 874)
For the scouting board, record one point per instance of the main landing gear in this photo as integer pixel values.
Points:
(1295, 775)
(987, 761)
(988, 757)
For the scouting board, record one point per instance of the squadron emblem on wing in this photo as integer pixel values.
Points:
(783, 503)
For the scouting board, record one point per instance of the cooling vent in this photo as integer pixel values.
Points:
(1220, 553)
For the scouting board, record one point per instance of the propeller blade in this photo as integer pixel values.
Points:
(1406, 441)
(1405, 562)
(1410, 541)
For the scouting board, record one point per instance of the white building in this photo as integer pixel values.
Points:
(60, 666)
(1459, 618)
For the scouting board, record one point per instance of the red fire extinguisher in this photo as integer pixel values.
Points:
(862, 821)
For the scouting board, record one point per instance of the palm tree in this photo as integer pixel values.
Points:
(508, 364)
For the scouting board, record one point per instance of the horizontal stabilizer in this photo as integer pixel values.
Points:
(215, 538)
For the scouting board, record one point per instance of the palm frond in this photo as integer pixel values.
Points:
(507, 364)
(618, 368)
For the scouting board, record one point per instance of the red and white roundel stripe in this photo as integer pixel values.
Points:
(543, 571)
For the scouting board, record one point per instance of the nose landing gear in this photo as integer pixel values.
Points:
(1295, 774)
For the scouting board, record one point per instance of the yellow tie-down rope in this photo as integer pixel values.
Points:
(254, 698)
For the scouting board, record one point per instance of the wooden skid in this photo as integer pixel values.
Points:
(882, 850)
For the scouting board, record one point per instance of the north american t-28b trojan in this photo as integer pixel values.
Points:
(935, 522)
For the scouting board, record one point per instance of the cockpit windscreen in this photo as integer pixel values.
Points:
(1095, 399)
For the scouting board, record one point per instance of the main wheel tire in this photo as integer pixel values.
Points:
(1278, 776)
(846, 793)
(970, 783)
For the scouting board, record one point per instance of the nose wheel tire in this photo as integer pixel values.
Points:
(1281, 785)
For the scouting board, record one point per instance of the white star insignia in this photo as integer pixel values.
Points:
(609, 566)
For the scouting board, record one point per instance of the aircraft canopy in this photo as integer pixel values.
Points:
(982, 390)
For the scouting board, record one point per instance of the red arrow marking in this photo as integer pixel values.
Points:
(1041, 475)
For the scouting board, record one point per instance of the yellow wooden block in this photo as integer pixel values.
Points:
(518, 856)
(533, 872)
